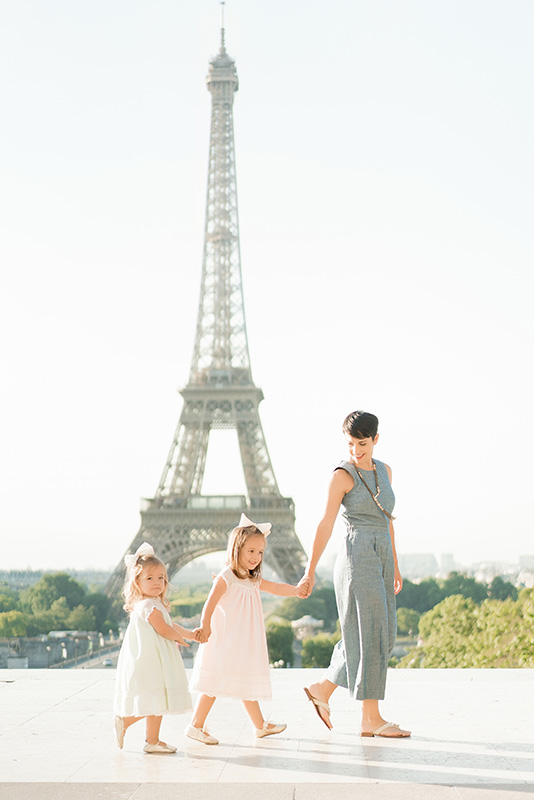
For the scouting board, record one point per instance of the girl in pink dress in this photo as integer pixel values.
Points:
(232, 660)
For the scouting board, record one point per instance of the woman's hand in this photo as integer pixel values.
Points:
(305, 586)
(397, 579)
(202, 634)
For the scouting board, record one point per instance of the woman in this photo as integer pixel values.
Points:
(366, 578)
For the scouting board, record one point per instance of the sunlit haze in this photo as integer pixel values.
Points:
(385, 181)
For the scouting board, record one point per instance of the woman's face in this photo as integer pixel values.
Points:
(361, 450)
(251, 553)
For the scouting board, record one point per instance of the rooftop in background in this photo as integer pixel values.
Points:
(472, 734)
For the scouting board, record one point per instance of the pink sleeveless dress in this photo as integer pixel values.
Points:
(234, 662)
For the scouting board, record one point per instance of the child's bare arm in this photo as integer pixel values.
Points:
(280, 589)
(184, 632)
(167, 631)
(203, 633)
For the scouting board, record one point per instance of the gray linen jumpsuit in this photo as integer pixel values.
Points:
(363, 582)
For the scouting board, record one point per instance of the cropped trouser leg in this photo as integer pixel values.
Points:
(363, 580)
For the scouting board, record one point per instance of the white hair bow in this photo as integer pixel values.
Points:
(263, 527)
(145, 549)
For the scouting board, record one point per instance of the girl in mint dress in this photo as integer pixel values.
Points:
(151, 679)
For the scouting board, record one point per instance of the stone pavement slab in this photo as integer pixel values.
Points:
(241, 791)
(473, 739)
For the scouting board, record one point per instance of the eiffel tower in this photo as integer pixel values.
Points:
(180, 522)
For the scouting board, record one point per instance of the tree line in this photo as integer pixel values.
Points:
(460, 622)
(460, 633)
(417, 598)
(56, 602)
(428, 593)
(494, 620)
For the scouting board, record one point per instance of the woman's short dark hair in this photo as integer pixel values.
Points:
(361, 425)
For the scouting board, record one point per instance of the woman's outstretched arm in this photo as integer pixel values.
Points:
(340, 483)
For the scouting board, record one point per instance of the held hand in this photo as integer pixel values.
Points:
(202, 634)
(305, 586)
(397, 579)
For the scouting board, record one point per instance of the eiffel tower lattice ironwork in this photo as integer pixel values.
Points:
(180, 522)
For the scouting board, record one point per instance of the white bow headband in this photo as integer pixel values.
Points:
(145, 549)
(263, 527)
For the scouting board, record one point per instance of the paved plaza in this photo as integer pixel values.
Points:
(473, 739)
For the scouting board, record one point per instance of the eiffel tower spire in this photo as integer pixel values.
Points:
(221, 346)
(180, 522)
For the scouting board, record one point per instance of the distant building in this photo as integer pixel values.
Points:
(306, 626)
(418, 565)
(447, 564)
(486, 571)
(196, 572)
(526, 578)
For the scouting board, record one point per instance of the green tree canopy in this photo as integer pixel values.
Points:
(8, 598)
(501, 590)
(321, 605)
(407, 621)
(59, 612)
(52, 587)
(458, 633)
(317, 650)
(458, 583)
(280, 639)
(420, 597)
(102, 608)
(428, 593)
(525, 599)
(81, 619)
(12, 624)
(44, 622)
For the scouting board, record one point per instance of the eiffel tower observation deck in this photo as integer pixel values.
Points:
(180, 522)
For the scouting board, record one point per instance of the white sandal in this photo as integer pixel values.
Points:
(385, 726)
(259, 733)
(118, 723)
(317, 704)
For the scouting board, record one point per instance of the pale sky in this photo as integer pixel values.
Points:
(386, 195)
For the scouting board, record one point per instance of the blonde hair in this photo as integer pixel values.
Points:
(236, 542)
(132, 592)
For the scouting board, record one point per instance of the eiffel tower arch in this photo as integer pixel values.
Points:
(180, 522)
